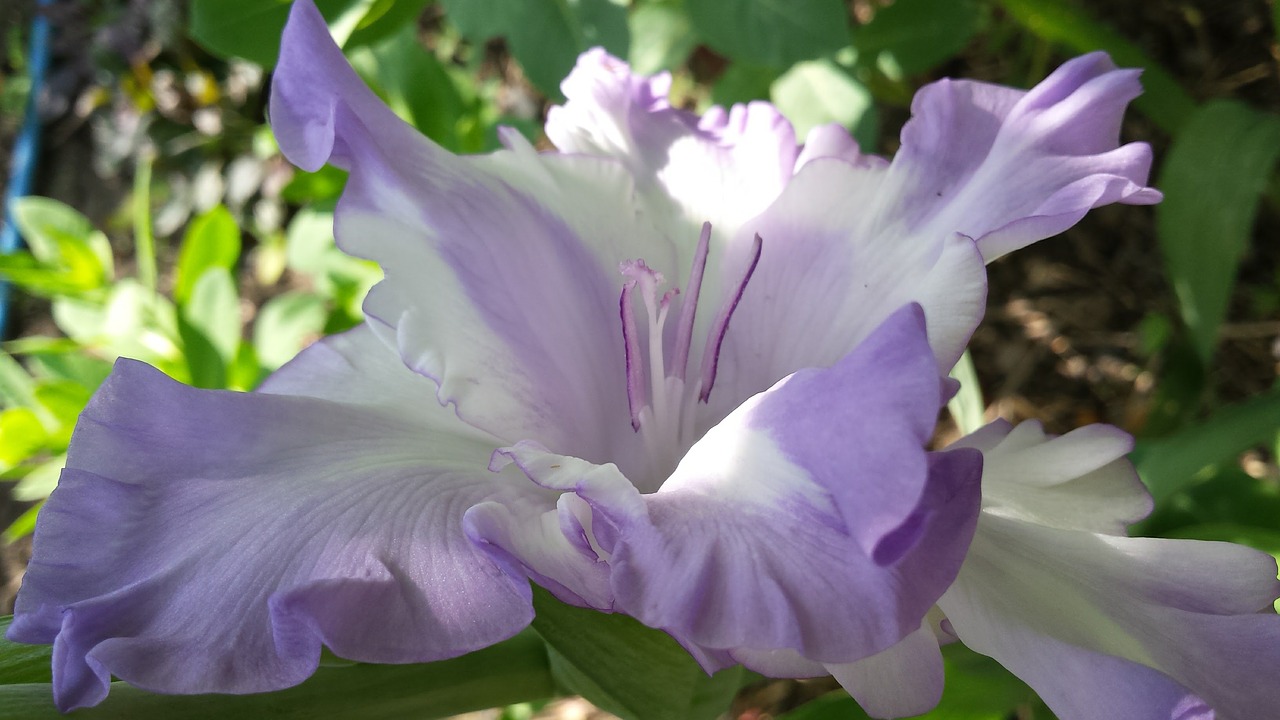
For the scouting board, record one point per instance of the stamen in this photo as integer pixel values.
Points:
(711, 355)
(684, 331)
(631, 342)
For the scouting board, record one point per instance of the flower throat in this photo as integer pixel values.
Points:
(664, 415)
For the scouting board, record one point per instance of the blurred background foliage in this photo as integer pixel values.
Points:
(165, 225)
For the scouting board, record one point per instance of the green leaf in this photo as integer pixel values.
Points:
(1171, 463)
(513, 671)
(546, 36)
(742, 83)
(63, 239)
(17, 388)
(967, 407)
(46, 224)
(212, 240)
(772, 33)
(23, 663)
(635, 672)
(21, 436)
(286, 324)
(210, 328)
(1163, 100)
(43, 478)
(821, 92)
(24, 270)
(912, 36)
(63, 401)
(251, 29)
(383, 19)
(308, 187)
(1213, 178)
(415, 85)
(214, 309)
(661, 37)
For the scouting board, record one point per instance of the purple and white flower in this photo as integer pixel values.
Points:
(1104, 626)
(737, 459)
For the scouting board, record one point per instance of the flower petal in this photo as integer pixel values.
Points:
(723, 167)
(501, 270)
(825, 281)
(208, 541)
(1008, 168)
(902, 681)
(1190, 610)
(814, 495)
(1079, 481)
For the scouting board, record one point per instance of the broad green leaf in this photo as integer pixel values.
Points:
(251, 29)
(21, 436)
(61, 238)
(245, 372)
(510, 672)
(384, 18)
(46, 223)
(821, 92)
(43, 478)
(24, 270)
(967, 407)
(286, 324)
(912, 36)
(81, 320)
(772, 33)
(546, 36)
(1213, 178)
(214, 309)
(23, 663)
(1062, 21)
(73, 364)
(743, 83)
(308, 187)
(635, 672)
(661, 37)
(210, 328)
(212, 240)
(414, 84)
(62, 402)
(1171, 463)
(17, 388)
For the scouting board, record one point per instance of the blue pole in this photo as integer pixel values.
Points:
(27, 147)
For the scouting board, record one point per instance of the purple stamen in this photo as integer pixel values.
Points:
(684, 331)
(711, 356)
(631, 343)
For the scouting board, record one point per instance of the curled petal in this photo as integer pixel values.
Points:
(208, 541)
(1080, 480)
(1007, 167)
